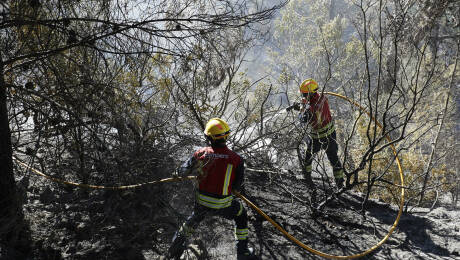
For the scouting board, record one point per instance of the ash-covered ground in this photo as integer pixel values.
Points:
(72, 223)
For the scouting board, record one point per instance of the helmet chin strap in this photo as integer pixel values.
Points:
(208, 138)
(217, 142)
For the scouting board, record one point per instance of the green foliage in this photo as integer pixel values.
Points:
(308, 35)
(388, 59)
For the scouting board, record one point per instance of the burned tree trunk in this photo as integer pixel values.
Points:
(12, 235)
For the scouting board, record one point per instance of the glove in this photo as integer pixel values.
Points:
(175, 173)
(240, 189)
(180, 171)
(305, 117)
(295, 106)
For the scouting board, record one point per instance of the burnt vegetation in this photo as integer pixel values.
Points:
(115, 93)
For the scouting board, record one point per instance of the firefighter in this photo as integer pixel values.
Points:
(219, 171)
(314, 109)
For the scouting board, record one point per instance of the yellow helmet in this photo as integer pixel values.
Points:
(217, 129)
(308, 86)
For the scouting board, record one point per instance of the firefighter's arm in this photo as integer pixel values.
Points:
(295, 106)
(305, 116)
(186, 168)
(239, 178)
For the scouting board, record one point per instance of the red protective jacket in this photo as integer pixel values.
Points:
(319, 116)
(223, 170)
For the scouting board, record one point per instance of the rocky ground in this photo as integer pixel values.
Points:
(70, 223)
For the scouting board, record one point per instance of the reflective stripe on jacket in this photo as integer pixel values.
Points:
(321, 118)
(221, 169)
(323, 132)
(213, 202)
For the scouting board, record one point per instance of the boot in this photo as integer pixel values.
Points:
(311, 186)
(339, 182)
(177, 247)
(308, 180)
(244, 252)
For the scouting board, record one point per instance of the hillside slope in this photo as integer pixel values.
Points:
(70, 223)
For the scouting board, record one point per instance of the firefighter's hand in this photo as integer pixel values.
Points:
(241, 190)
(305, 117)
(295, 106)
(175, 173)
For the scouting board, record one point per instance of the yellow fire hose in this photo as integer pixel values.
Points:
(89, 186)
(325, 255)
(252, 205)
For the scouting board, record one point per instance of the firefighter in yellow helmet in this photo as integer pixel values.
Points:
(219, 170)
(314, 110)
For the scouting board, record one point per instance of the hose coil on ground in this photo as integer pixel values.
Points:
(252, 205)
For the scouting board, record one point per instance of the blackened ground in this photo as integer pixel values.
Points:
(343, 228)
(69, 223)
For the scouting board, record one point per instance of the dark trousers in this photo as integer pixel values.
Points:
(235, 211)
(329, 144)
